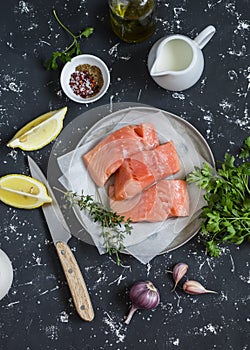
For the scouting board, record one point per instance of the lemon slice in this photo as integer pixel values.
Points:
(23, 191)
(40, 131)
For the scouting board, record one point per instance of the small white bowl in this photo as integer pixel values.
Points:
(69, 68)
(6, 274)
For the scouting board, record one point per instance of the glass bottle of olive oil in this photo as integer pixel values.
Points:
(132, 20)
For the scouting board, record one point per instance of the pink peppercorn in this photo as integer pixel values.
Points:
(83, 84)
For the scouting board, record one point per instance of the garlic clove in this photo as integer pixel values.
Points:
(179, 272)
(195, 288)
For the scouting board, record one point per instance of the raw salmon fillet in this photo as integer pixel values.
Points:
(167, 198)
(107, 156)
(145, 168)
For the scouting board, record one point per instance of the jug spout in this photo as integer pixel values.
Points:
(159, 74)
(156, 72)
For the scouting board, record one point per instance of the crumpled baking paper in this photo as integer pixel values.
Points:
(147, 239)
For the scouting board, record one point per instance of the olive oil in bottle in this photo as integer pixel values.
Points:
(132, 20)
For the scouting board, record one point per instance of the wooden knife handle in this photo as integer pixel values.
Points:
(75, 281)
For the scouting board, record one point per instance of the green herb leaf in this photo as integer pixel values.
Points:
(212, 248)
(245, 152)
(87, 32)
(65, 57)
(227, 213)
(52, 62)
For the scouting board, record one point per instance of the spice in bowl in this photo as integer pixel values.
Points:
(86, 81)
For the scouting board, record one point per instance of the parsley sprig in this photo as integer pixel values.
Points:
(114, 226)
(227, 192)
(72, 50)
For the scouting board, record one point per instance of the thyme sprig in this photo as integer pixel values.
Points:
(72, 50)
(114, 226)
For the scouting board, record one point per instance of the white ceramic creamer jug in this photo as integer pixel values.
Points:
(176, 62)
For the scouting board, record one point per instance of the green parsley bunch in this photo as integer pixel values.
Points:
(227, 192)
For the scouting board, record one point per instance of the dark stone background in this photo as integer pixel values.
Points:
(38, 313)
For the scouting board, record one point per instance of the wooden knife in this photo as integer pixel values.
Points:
(61, 234)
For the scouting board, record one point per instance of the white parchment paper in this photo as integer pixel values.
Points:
(147, 239)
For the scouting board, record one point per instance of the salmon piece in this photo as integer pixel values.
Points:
(108, 155)
(165, 199)
(144, 168)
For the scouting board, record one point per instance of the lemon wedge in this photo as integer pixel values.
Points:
(40, 131)
(23, 191)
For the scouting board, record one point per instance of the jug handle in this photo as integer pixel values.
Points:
(203, 38)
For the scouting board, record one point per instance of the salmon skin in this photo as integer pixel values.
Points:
(145, 168)
(108, 155)
(165, 199)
